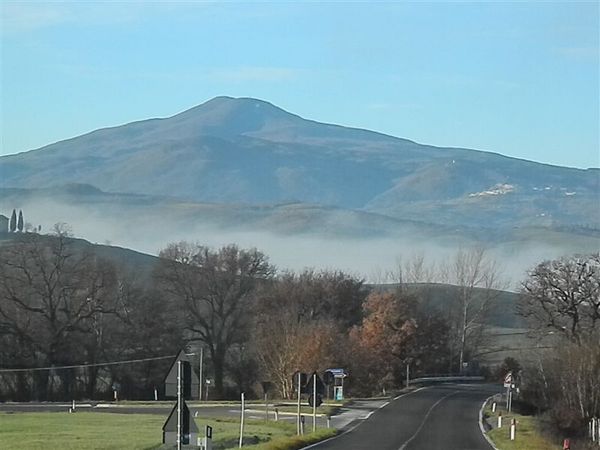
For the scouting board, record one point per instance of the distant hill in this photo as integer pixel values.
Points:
(295, 234)
(435, 295)
(442, 297)
(243, 150)
(140, 263)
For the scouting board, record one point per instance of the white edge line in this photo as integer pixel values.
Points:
(332, 437)
(361, 421)
(487, 438)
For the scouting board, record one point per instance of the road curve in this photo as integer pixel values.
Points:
(438, 417)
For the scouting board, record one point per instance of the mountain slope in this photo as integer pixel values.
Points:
(248, 151)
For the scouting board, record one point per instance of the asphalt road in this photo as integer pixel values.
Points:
(443, 417)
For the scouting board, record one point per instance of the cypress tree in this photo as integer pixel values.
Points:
(13, 221)
(20, 221)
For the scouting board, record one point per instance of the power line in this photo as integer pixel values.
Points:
(112, 363)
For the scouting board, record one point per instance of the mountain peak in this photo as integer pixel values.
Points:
(238, 101)
(233, 116)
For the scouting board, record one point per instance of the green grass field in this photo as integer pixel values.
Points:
(91, 430)
(528, 436)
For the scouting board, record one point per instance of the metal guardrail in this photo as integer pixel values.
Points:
(441, 379)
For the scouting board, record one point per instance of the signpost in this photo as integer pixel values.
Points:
(299, 377)
(206, 443)
(180, 427)
(316, 388)
(335, 377)
(508, 380)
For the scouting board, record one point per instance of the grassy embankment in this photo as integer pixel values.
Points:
(529, 435)
(92, 430)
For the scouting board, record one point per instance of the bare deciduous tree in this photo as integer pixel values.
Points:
(51, 295)
(563, 295)
(477, 277)
(216, 290)
(476, 286)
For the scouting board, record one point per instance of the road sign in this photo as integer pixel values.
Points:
(190, 380)
(189, 430)
(311, 402)
(338, 372)
(309, 389)
(508, 380)
(334, 376)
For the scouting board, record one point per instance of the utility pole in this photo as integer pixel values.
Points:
(200, 374)
(179, 405)
(298, 425)
(314, 402)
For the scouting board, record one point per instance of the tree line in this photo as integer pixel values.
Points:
(61, 304)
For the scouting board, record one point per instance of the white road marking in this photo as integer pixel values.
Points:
(411, 392)
(425, 419)
(360, 421)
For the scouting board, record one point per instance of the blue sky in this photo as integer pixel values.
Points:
(521, 79)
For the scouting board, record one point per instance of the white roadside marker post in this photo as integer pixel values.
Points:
(499, 420)
(242, 423)
(513, 429)
(266, 407)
